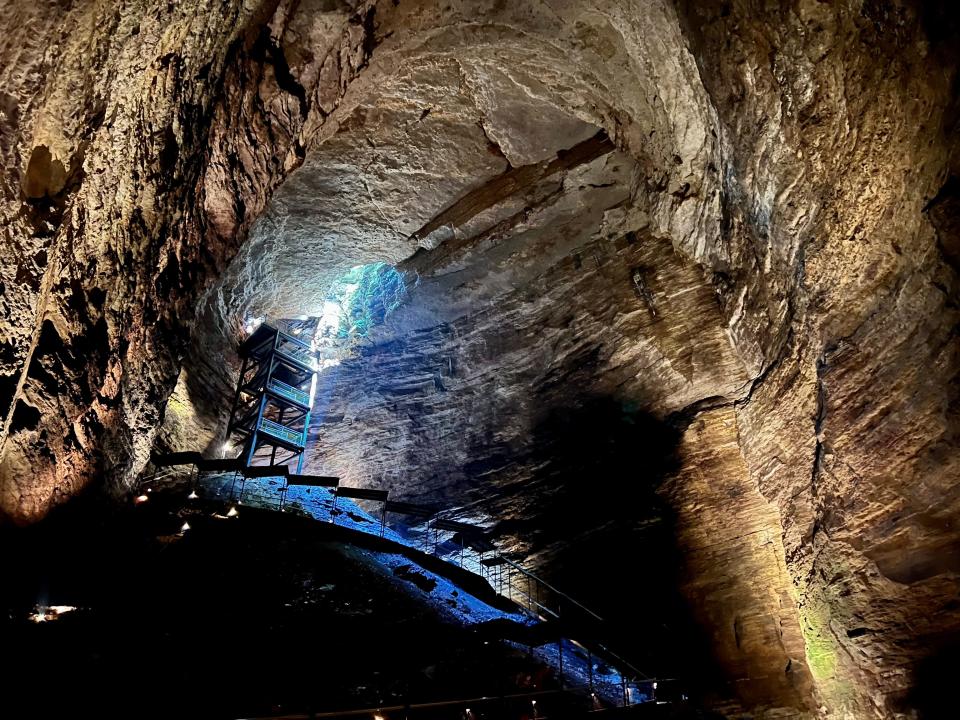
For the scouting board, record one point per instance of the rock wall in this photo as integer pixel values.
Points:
(840, 122)
(108, 110)
(134, 135)
(735, 575)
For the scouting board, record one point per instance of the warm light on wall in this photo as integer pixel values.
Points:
(50, 612)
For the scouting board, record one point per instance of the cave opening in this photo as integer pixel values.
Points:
(434, 358)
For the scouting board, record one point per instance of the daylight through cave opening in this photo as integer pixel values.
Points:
(282, 360)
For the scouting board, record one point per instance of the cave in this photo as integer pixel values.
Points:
(476, 359)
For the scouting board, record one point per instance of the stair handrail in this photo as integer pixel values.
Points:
(604, 648)
(618, 659)
(547, 585)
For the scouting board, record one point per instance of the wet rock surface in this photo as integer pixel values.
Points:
(254, 616)
(752, 293)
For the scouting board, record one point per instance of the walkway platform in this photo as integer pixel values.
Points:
(489, 587)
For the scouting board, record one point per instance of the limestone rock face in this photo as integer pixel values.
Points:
(129, 134)
(686, 290)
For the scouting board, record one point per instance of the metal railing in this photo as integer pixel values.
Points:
(538, 598)
(533, 595)
(289, 392)
(293, 353)
(282, 432)
(287, 328)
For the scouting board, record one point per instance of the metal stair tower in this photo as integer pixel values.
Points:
(271, 407)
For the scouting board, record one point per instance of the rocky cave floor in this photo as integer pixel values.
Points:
(272, 615)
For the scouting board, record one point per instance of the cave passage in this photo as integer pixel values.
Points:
(480, 359)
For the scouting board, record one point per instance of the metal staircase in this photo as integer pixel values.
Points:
(271, 407)
(557, 628)
(270, 417)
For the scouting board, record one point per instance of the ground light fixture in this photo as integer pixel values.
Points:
(535, 711)
(48, 613)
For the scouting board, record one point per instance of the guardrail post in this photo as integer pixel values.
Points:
(560, 648)
(590, 671)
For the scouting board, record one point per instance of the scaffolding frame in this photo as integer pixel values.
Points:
(270, 416)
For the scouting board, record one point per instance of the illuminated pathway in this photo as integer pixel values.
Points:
(518, 610)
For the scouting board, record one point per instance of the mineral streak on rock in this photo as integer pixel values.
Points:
(757, 268)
